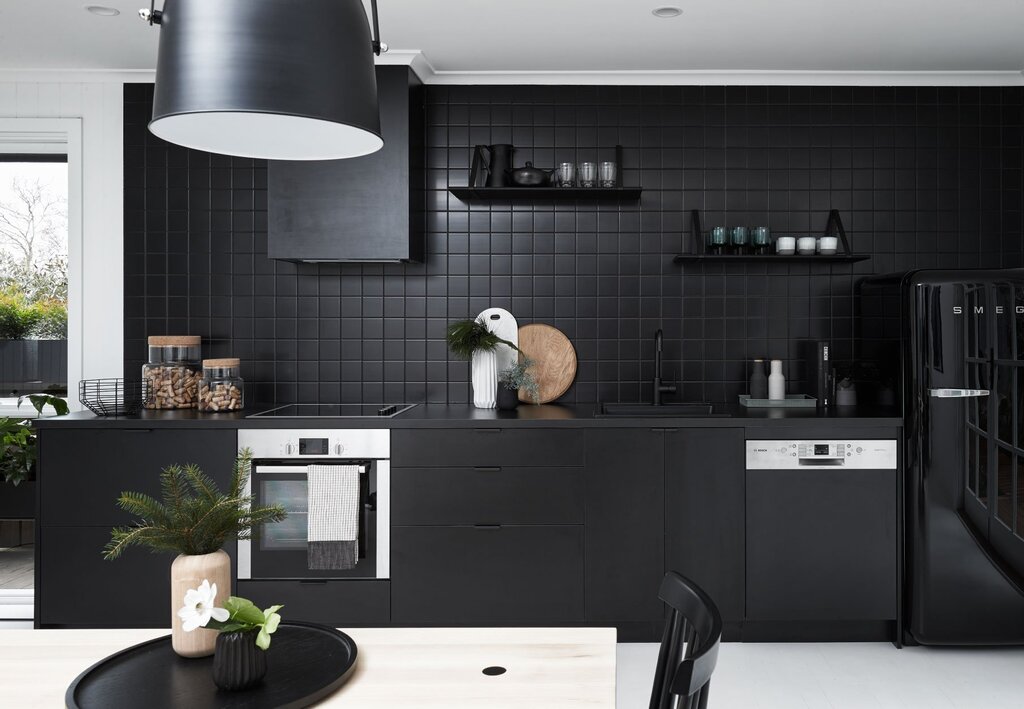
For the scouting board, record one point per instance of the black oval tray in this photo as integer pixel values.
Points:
(306, 662)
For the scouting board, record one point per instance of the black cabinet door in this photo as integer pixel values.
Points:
(79, 588)
(482, 495)
(468, 447)
(821, 544)
(704, 512)
(344, 603)
(82, 472)
(487, 575)
(625, 524)
(368, 208)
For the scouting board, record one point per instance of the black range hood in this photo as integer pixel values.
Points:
(364, 209)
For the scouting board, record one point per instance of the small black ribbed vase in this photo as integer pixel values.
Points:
(507, 399)
(237, 662)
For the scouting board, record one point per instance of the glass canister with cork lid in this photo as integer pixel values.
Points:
(171, 376)
(222, 387)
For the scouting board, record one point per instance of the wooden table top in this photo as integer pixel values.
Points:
(547, 668)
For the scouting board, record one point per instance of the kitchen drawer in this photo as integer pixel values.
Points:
(496, 495)
(82, 472)
(486, 447)
(79, 588)
(337, 603)
(487, 575)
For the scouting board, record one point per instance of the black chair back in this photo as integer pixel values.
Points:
(689, 646)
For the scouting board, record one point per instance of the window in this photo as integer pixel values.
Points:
(33, 275)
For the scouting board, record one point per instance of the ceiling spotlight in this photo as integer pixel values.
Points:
(667, 11)
(102, 10)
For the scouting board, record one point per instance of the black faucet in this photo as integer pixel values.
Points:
(659, 388)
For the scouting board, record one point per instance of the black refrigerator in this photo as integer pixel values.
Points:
(949, 345)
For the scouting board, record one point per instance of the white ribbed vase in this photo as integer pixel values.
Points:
(484, 366)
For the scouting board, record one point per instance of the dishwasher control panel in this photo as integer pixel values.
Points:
(876, 454)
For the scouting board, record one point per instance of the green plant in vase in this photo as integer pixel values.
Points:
(472, 340)
(515, 379)
(194, 519)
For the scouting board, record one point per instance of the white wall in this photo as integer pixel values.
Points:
(99, 105)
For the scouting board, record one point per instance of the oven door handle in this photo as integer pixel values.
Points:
(295, 469)
(298, 469)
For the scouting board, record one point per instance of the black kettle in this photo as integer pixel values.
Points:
(529, 176)
(497, 167)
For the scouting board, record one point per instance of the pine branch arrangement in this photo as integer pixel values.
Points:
(195, 517)
(468, 336)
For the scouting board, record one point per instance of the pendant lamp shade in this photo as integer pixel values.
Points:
(275, 79)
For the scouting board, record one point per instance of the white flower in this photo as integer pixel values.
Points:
(199, 608)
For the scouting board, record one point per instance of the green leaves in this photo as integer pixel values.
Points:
(194, 517)
(17, 450)
(468, 336)
(244, 617)
(39, 401)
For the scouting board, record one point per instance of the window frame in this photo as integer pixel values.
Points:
(57, 136)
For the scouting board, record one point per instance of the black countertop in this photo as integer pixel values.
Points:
(467, 416)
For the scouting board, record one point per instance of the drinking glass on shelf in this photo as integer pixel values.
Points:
(588, 174)
(607, 174)
(716, 240)
(740, 239)
(565, 175)
(762, 240)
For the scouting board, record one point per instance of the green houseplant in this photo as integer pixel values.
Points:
(515, 379)
(194, 519)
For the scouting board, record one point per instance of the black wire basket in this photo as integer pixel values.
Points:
(110, 397)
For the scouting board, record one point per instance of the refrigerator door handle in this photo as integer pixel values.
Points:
(958, 393)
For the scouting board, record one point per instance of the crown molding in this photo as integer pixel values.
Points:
(732, 78)
(430, 75)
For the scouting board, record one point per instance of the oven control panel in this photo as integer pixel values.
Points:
(327, 443)
(877, 454)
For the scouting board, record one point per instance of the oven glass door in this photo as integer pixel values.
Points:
(279, 549)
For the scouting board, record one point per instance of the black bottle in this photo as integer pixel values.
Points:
(758, 381)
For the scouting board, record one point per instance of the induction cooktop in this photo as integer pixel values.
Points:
(334, 411)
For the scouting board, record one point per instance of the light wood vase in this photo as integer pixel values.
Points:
(188, 571)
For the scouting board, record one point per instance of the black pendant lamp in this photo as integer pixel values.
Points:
(275, 79)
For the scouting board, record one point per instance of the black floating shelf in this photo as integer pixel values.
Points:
(771, 258)
(552, 193)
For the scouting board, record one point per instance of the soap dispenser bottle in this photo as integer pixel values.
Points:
(776, 382)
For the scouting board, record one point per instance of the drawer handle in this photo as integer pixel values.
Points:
(664, 430)
(486, 526)
(137, 430)
(487, 430)
(487, 468)
(310, 582)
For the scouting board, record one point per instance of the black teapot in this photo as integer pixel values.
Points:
(529, 176)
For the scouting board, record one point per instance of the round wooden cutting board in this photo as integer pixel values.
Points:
(554, 360)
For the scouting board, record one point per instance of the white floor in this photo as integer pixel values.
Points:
(841, 676)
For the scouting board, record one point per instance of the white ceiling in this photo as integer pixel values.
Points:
(465, 40)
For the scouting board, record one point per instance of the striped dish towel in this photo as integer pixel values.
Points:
(333, 521)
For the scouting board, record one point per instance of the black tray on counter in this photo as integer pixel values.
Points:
(306, 663)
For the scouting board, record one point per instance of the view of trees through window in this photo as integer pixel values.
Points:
(33, 274)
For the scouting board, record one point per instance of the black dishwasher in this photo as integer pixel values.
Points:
(822, 530)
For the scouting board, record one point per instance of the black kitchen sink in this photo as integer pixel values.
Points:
(657, 411)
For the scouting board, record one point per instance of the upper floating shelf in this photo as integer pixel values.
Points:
(768, 258)
(620, 194)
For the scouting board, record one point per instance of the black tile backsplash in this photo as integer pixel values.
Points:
(923, 177)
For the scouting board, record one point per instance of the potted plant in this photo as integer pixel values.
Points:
(470, 339)
(243, 634)
(18, 458)
(513, 380)
(194, 520)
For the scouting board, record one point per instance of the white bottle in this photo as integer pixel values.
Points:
(776, 382)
